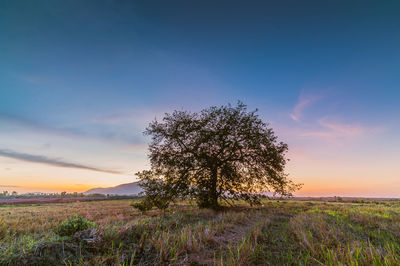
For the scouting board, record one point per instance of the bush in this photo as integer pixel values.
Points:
(161, 203)
(143, 206)
(72, 225)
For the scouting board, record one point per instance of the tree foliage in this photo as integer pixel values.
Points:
(220, 153)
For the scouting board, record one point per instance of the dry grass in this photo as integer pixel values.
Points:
(279, 233)
(41, 218)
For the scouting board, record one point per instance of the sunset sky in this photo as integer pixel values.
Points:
(80, 80)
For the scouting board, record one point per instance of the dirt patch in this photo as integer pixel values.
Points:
(222, 242)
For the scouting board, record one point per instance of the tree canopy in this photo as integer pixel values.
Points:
(220, 153)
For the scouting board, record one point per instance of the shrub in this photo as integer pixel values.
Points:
(161, 203)
(72, 225)
(143, 206)
(158, 193)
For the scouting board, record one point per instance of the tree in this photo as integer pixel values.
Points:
(221, 153)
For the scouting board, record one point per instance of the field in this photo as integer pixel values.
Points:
(43, 200)
(277, 233)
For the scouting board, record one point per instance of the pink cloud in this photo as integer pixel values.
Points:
(343, 129)
(329, 129)
(303, 102)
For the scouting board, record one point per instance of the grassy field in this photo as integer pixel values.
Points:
(277, 233)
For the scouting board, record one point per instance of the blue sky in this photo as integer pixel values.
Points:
(79, 81)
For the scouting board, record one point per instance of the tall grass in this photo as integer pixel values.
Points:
(279, 233)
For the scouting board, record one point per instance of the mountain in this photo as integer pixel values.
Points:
(123, 189)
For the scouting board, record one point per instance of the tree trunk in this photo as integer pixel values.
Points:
(213, 190)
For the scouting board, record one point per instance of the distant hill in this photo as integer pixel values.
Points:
(123, 189)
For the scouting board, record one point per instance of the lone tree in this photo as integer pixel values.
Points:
(221, 153)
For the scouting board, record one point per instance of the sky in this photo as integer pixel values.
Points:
(81, 80)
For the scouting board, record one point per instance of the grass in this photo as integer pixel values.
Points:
(278, 233)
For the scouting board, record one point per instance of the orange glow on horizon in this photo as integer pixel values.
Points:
(323, 173)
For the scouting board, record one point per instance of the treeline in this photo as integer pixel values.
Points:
(15, 195)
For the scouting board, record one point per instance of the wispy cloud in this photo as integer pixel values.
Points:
(343, 129)
(121, 131)
(325, 127)
(50, 161)
(8, 186)
(330, 129)
(303, 102)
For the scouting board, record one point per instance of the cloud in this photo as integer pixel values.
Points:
(343, 129)
(303, 102)
(325, 127)
(50, 161)
(332, 130)
(122, 131)
(8, 186)
(19, 121)
(14, 122)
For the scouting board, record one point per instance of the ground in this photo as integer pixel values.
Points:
(277, 233)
